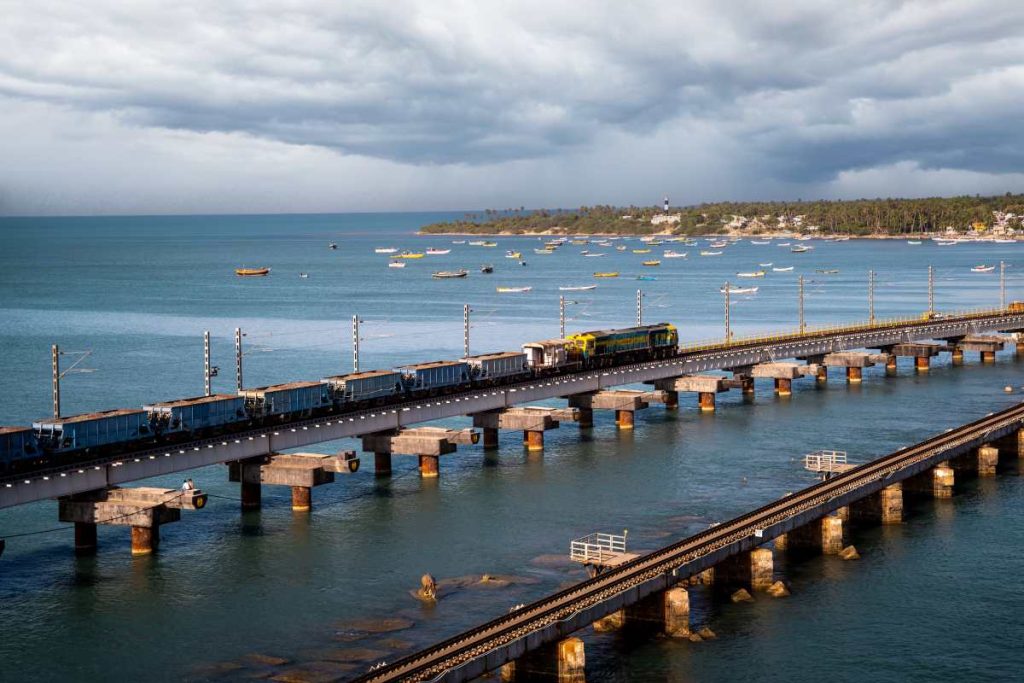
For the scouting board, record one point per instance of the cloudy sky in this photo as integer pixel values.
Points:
(187, 106)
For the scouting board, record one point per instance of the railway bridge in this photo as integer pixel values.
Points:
(735, 551)
(255, 455)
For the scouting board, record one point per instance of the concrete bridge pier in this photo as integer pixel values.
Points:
(885, 506)
(428, 444)
(531, 420)
(783, 375)
(624, 402)
(299, 471)
(705, 386)
(922, 353)
(247, 474)
(564, 662)
(936, 482)
(824, 535)
(144, 509)
(490, 438)
(666, 611)
(981, 461)
(853, 361)
(751, 570)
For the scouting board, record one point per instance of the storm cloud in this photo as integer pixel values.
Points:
(211, 106)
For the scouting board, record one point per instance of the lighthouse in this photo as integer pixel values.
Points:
(666, 204)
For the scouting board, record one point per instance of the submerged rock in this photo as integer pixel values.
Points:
(694, 638)
(742, 595)
(849, 553)
(706, 633)
(360, 627)
(778, 590)
(258, 659)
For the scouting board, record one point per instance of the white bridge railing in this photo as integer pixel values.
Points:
(597, 547)
(826, 461)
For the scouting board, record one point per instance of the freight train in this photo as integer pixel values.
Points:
(60, 441)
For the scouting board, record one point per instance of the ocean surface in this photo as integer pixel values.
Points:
(232, 596)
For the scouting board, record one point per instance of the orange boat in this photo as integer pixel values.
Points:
(252, 272)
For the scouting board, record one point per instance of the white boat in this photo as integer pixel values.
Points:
(717, 245)
(765, 265)
(577, 288)
(982, 269)
(458, 241)
(739, 290)
(513, 290)
(396, 264)
(756, 273)
(760, 242)
(303, 275)
(593, 255)
(384, 250)
(705, 252)
(944, 243)
(782, 270)
(1004, 241)
(914, 242)
(799, 249)
(783, 244)
(431, 251)
(620, 248)
(478, 243)
(674, 254)
(543, 251)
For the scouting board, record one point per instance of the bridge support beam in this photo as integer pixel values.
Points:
(783, 387)
(668, 611)
(958, 355)
(586, 420)
(298, 471)
(988, 459)
(531, 421)
(885, 506)
(247, 474)
(143, 509)
(428, 444)
(854, 375)
(751, 570)
(891, 364)
(922, 363)
(671, 400)
(429, 466)
(824, 535)
(937, 482)
(382, 464)
(821, 376)
(490, 438)
(621, 401)
(564, 661)
(988, 357)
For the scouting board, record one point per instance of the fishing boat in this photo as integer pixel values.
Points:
(303, 275)
(458, 241)
(705, 252)
(641, 251)
(783, 244)
(332, 245)
(396, 264)
(739, 290)
(673, 254)
(409, 254)
(648, 278)
(799, 249)
(489, 244)
(611, 274)
(593, 255)
(577, 288)
(578, 242)
(765, 265)
(513, 254)
(448, 274)
(513, 290)
(486, 268)
(756, 273)
(782, 270)
(652, 262)
(717, 245)
(384, 250)
(544, 252)
(982, 269)
(944, 243)
(252, 272)
(914, 242)
(760, 242)
(621, 247)
(826, 271)
(477, 243)
(431, 251)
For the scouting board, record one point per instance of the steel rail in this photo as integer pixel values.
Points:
(701, 352)
(434, 661)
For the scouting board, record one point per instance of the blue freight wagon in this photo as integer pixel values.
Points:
(283, 399)
(17, 444)
(364, 386)
(497, 365)
(436, 375)
(94, 430)
(189, 415)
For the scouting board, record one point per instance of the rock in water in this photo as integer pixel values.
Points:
(694, 638)
(428, 588)
(706, 633)
(778, 590)
(849, 553)
(742, 596)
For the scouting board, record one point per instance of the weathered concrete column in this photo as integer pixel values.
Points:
(677, 612)
(624, 419)
(85, 538)
(821, 374)
(825, 535)
(922, 363)
(988, 357)
(533, 440)
(612, 622)
(247, 474)
(885, 506)
(429, 466)
(747, 387)
(988, 459)
(843, 513)
(706, 400)
(751, 569)
(302, 498)
(854, 375)
(781, 542)
(1019, 347)
(572, 661)
(783, 387)
(671, 400)
(145, 539)
(586, 420)
(490, 438)
(382, 464)
(891, 364)
(958, 355)
(563, 661)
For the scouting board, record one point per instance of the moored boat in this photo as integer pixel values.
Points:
(252, 272)
(577, 288)
(641, 251)
(448, 274)
(782, 270)
(755, 273)
(652, 262)
(332, 246)
(486, 268)
(385, 250)
(610, 274)
(513, 290)
(431, 251)
(705, 252)
(410, 254)
(982, 269)
(914, 242)
(513, 254)
(674, 254)
(396, 264)
(739, 290)
(799, 249)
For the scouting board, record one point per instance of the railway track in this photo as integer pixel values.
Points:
(432, 663)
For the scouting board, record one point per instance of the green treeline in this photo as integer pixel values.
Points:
(852, 217)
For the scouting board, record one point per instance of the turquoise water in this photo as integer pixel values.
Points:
(931, 599)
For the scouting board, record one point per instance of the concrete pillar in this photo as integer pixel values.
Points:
(988, 458)
(958, 356)
(145, 539)
(586, 420)
(943, 479)
(252, 495)
(784, 387)
(571, 661)
(885, 506)
(843, 513)
(748, 387)
(429, 466)
(706, 400)
(677, 612)
(382, 464)
(490, 438)
(671, 400)
(781, 542)
(250, 488)
(825, 535)
(1019, 347)
(533, 440)
(302, 498)
(854, 375)
(751, 570)
(85, 538)
(821, 374)
(890, 364)
(988, 357)
(922, 363)
(624, 419)
(1020, 443)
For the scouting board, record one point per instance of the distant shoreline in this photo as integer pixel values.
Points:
(664, 235)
